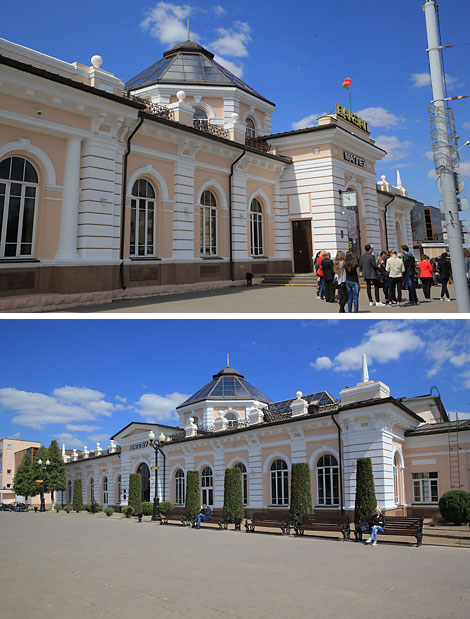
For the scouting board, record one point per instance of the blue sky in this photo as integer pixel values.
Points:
(295, 55)
(80, 381)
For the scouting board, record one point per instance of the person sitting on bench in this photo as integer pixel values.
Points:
(378, 524)
(204, 514)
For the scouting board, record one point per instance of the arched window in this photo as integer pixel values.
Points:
(207, 486)
(118, 490)
(279, 483)
(256, 228)
(105, 491)
(144, 472)
(208, 233)
(179, 487)
(327, 480)
(143, 215)
(250, 128)
(242, 468)
(200, 119)
(396, 483)
(70, 494)
(92, 489)
(18, 192)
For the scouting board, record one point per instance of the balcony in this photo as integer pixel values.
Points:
(204, 125)
(258, 143)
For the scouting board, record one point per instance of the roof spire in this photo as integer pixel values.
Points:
(189, 39)
(228, 360)
(365, 369)
(399, 179)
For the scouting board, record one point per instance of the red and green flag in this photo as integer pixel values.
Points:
(347, 84)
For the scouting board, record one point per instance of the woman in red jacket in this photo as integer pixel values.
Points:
(425, 275)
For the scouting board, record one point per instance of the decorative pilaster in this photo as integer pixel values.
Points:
(69, 214)
(255, 474)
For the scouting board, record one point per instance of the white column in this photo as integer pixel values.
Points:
(255, 475)
(69, 216)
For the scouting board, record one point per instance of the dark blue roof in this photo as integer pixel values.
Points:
(318, 399)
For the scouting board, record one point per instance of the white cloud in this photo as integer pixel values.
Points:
(219, 10)
(233, 41)
(167, 22)
(80, 428)
(396, 149)
(466, 125)
(66, 405)
(70, 440)
(379, 117)
(120, 399)
(98, 438)
(157, 408)
(420, 80)
(236, 69)
(322, 363)
(307, 121)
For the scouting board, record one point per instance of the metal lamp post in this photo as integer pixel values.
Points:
(43, 489)
(157, 446)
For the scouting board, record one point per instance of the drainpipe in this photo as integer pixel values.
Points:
(340, 463)
(123, 201)
(385, 221)
(232, 276)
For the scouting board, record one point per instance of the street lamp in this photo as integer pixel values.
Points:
(43, 489)
(157, 446)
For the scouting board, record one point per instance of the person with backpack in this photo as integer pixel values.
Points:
(409, 263)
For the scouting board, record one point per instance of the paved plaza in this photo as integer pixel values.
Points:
(83, 565)
(264, 300)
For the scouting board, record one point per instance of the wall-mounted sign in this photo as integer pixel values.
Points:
(353, 159)
(139, 445)
(352, 118)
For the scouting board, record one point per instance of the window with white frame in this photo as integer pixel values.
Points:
(207, 486)
(19, 187)
(425, 488)
(279, 483)
(256, 228)
(396, 481)
(92, 489)
(250, 128)
(327, 481)
(179, 487)
(208, 233)
(200, 120)
(118, 490)
(242, 468)
(143, 219)
(105, 490)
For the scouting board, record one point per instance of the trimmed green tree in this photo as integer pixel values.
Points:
(77, 495)
(193, 494)
(23, 482)
(135, 492)
(300, 491)
(40, 471)
(365, 491)
(455, 506)
(56, 476)
(233, 494)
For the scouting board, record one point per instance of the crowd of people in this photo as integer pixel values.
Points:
(391, 272)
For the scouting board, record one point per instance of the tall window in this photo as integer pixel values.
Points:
(327, 480)
(207, 486)
(396, 489)
(118, 490)
(105, 490)
(18, 192)
(70, 499)
(144, 473)
(179, 487)
(200, 119)
(425, 488)
(256, 228)
(250, 128)
(242, 468)
(279, 483)
(208, 224)
(92, 489)
(143, 212)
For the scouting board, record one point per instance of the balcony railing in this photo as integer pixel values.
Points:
(258, 143)
(159, 110)
(204, 125)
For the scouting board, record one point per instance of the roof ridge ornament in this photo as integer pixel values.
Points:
(365, 369)
(189, 38)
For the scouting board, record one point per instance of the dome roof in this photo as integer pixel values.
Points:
(188, 63)
(228, 384)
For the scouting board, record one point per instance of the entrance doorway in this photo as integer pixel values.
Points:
(302, 245)
(144, 473)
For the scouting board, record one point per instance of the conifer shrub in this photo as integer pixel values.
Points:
(165, 506)
(135, 492)
(57, 507)
(77, 495)
(109, 511)
(300, 491)
(193, 494)
(455, 506)
(147, 508)
(128, 510)
(89, 507)
(365, 491)
(233, 494)
(68, 508)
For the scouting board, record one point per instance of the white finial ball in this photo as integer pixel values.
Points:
(235, 117)
(85, 448)
(96, 61)
(181, 95)
(298, 394)
(384, 178)
(191, 420)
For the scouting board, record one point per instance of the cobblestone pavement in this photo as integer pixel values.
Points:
(264, 300)
(80, 565)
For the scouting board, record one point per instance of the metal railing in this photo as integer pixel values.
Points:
(258, 143)
(159, 110)
(204, 125)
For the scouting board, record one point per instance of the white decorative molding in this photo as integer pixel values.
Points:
(264, 200)
(219, 190)
(23, 145)
(276, 455)
(149, 170)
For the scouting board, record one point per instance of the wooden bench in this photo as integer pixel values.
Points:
(324, 521)
(272, 519)
(402, 526)
(218, 517)
(177, 514)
